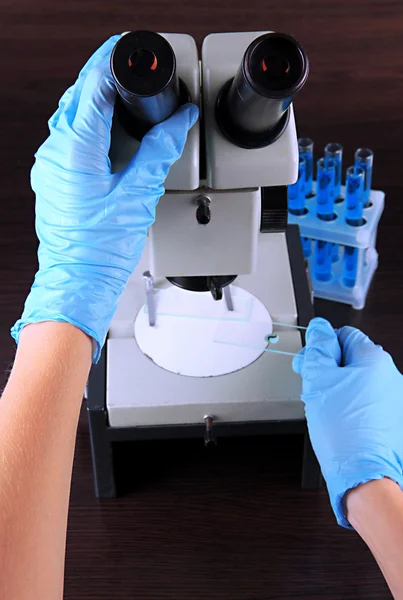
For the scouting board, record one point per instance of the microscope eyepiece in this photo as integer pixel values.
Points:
(275, 66)
(252, 109)
(143, 65)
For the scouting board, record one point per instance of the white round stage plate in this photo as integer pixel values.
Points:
(184, 338)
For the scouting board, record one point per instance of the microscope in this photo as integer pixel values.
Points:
(204, 334)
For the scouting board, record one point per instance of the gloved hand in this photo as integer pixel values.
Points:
(353, 395)
(92, 224)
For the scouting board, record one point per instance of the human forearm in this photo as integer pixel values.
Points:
(375, 510)
(38, 420)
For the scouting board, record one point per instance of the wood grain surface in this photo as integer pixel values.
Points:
(231, 524)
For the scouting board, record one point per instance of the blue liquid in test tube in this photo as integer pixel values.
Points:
(326, 171)
(306, 246)
(354, 196)
(296, 191)
(305, 147)
(350, 264)
(335, 252)
(335, 152)
(364, 158)
(323, 260)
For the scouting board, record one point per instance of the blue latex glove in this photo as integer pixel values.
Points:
(92, 224)
(353, 395)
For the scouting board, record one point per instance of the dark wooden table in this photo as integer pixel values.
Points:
(231, 524)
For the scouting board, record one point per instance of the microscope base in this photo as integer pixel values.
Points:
(103, 435)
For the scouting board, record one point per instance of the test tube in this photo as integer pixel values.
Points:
(305, 147)
(350, 264)
(306, 246)
(323, 260)
(355, 177)
(335, 252)
(364, 158)
(296, 191)
(326, 170)
(335, 152)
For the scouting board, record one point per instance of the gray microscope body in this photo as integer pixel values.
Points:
(221, 221)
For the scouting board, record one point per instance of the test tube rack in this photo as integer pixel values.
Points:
(339, 232)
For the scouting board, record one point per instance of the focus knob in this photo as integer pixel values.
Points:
(203, 212)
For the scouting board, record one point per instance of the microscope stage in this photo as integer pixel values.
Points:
(141, 393)
(196, 336)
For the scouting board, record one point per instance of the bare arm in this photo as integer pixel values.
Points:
(375, 510)
(39, 412)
